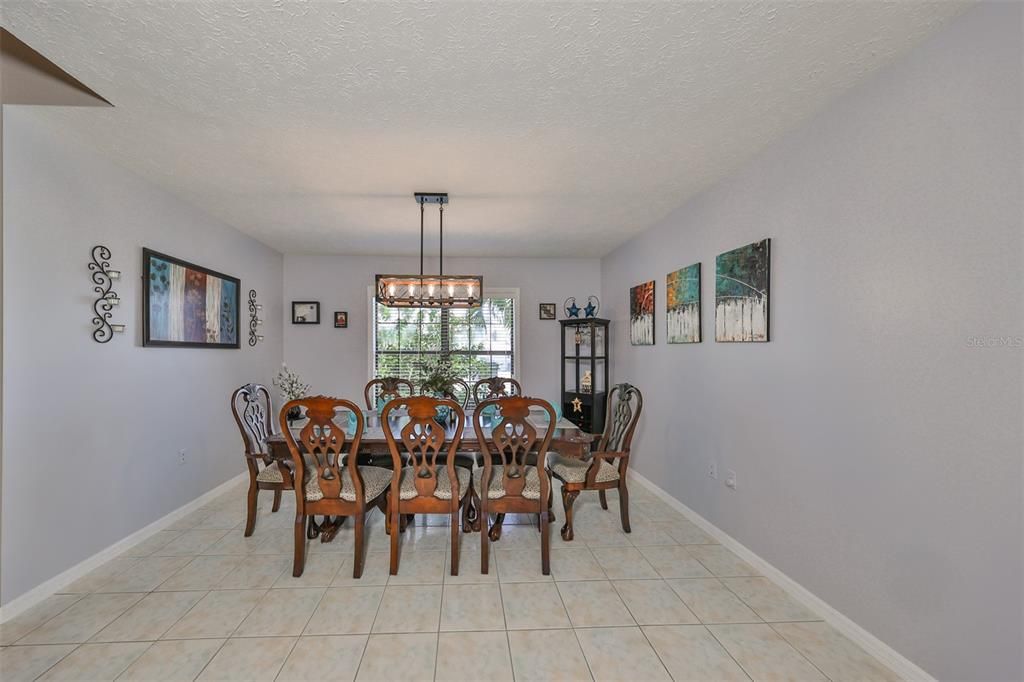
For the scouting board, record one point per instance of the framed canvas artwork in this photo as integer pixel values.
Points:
(641, 314)
(682, 301)
(341, 320)
(547, 311)
(184, 304)
(741, 293)
(305, 312)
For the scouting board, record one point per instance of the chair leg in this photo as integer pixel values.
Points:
(499, 519)
(568, 497)
(485, 552)
(250, 507)
(277, 501)
(455, 539)
(604, 499)
(467, 511)
(382, 505)
(475, 515)
(545, 543)
(551, 511)
(299, 561)
(397, 524)
(624, 506)
(357, 569)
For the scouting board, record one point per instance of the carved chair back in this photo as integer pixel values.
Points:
(509, 438)
(624, 405)
(385, 388)
(421, 439)
(322, 440)
(253, 410)
(495, 387)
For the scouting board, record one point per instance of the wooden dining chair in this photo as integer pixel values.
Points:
(606, 467)
(495, 387)
(514, 485)
(425, 484)
(390, 388)
(333, 483)
(253, 410)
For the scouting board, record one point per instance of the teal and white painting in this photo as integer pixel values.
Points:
(741, 293)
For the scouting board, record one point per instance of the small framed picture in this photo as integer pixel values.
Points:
(547, 311)
(305, 312)
(340, 320)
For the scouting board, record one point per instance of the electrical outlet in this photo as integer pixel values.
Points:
(713, 470)
(181, 457)
(730, 479)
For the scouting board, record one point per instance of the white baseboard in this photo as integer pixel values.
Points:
(57, 582)
(898, 663)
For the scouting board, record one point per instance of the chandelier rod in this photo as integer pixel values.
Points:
(440, 260)
(421, 239)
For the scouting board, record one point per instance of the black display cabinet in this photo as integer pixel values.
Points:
(585, 356)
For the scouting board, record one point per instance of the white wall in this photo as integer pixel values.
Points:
(335, 361)
(878, 454)
(92, 431)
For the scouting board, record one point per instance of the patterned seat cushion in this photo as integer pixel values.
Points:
(496, 489)
(270, 474)
(375, 480)
(573, 470)
(443, 491)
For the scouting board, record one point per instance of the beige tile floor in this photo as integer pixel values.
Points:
(200, 601)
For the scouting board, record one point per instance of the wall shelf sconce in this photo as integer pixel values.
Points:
(103, 279)
(254, 318)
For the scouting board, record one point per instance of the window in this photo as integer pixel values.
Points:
(479, 342)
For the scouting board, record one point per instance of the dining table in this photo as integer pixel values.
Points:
(567, 440)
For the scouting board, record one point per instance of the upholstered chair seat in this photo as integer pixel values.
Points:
(575, 470)
(375, 481)
(496, 489)
(270, 474)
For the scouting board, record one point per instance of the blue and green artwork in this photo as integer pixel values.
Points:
(741, 293)
(187, 305)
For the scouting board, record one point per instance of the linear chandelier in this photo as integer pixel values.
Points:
(430, 291)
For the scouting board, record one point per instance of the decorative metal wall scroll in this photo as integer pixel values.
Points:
(103, 279)
(254, 318)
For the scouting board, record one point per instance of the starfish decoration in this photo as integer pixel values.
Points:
(573, 310)
(590, 310)
(577, 405)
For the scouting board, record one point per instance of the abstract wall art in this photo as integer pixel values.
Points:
(682, 301)
(741, 293)
(187, 305)
(641, 314)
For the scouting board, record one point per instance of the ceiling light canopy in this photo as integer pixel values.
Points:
(430, 291)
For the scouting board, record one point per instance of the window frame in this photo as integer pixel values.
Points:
(488, 292)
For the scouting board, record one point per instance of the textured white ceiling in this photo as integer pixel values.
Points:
(558, 128)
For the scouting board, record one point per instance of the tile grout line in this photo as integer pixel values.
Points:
(301, 630)
(641, 627)
(376, 613)
(726, 650)
(802, 654)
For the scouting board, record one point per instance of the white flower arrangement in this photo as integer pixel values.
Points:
(290, 385)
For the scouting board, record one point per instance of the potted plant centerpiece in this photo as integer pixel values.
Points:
(438, 376)
(292, 388)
